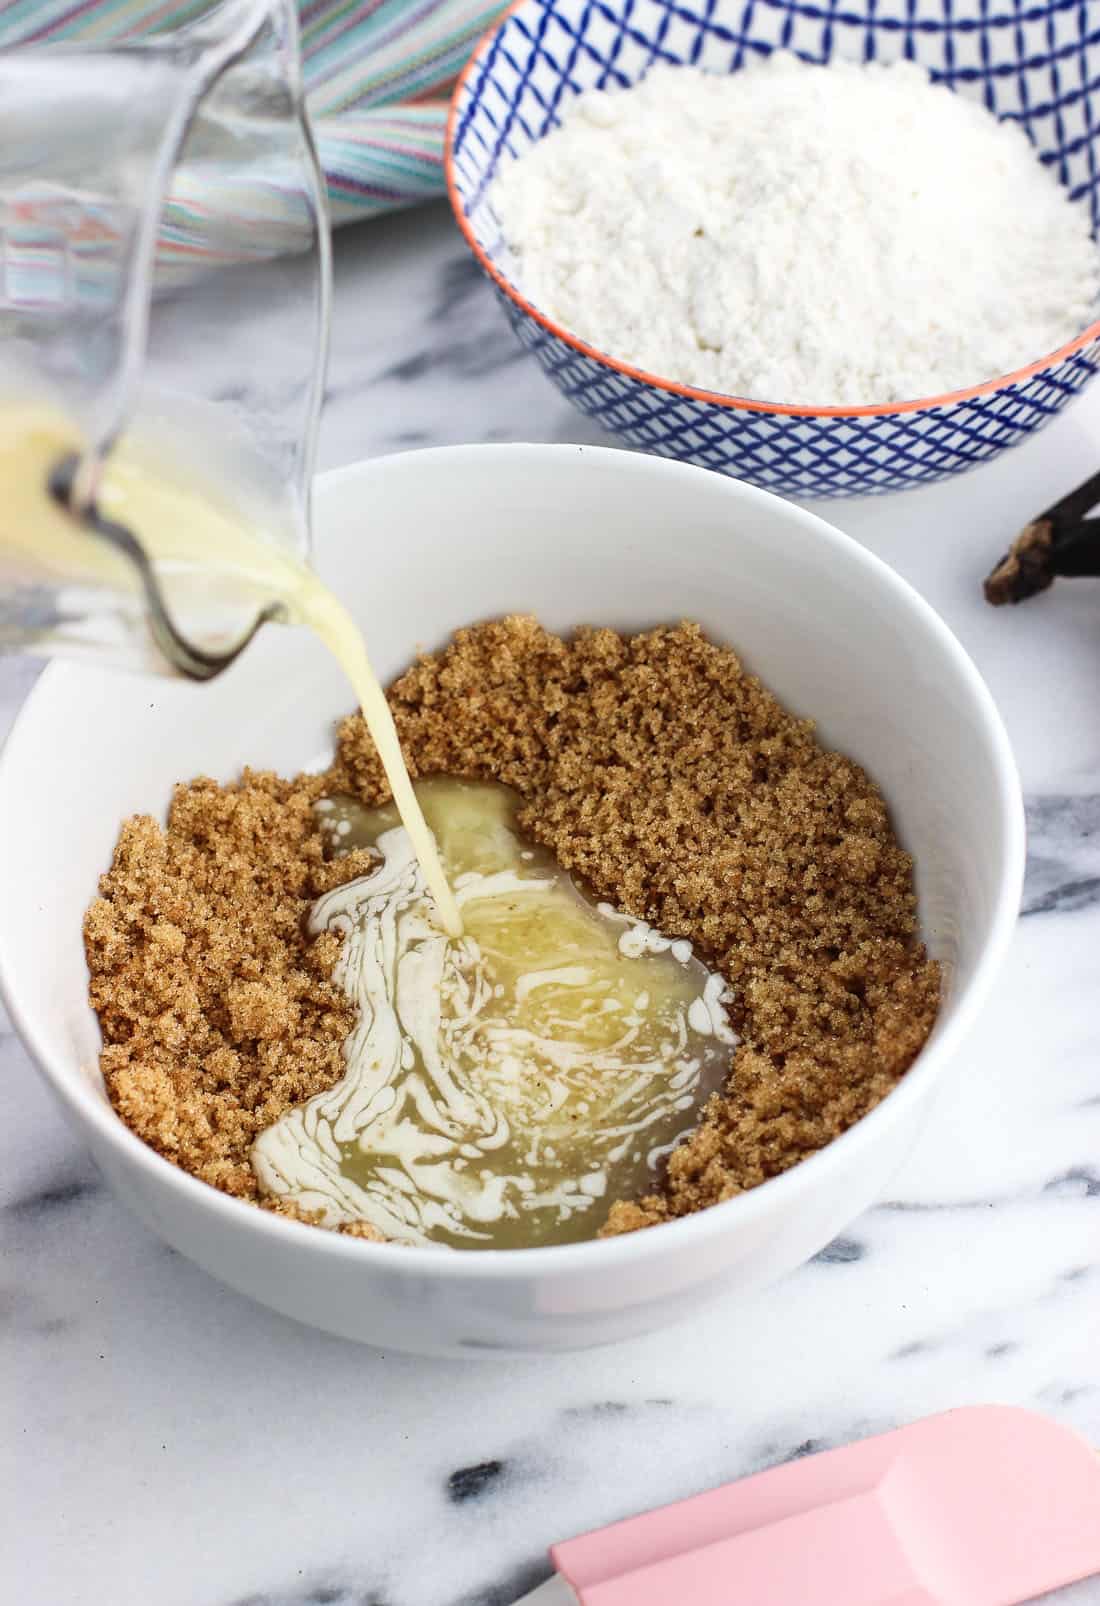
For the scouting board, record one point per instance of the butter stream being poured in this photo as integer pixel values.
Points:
(502, 1088)
(184, 529)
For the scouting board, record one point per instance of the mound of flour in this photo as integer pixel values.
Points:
(819, 235)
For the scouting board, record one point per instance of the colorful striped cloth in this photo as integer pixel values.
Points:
(377, 74)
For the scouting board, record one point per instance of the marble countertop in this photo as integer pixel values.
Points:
(167, 1443)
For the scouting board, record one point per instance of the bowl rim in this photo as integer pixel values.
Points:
(714, 398)
(88, 1106)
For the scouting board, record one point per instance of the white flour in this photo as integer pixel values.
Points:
(825, 235)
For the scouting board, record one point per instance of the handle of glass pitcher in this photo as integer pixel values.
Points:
(163, 227)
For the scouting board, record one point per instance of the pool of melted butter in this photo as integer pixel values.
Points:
(502, 1087)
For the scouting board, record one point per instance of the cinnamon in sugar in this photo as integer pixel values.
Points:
(660, 774)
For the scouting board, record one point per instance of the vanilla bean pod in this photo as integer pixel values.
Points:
(1061, 541)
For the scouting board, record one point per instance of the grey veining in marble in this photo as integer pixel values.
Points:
(167, 1442)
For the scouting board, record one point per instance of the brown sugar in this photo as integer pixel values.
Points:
(215, 1014)
(660, 774)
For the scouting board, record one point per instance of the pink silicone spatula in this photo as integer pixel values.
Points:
(985, 1506)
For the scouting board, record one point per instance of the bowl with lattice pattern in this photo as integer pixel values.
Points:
(1038, 68)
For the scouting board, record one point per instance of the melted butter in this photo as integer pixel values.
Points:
(187, 531)
(317, 607)
(504, 1087)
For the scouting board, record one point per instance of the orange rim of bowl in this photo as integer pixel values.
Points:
(714, 398)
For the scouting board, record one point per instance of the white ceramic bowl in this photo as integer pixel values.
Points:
(418, 545)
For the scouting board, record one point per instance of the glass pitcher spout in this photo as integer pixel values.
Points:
(164, 287)
(186, 656)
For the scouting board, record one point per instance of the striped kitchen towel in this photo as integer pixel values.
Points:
(377, 75)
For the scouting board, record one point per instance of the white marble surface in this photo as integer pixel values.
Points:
(164, 1441)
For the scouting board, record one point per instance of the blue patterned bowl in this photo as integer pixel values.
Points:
(1037, 65)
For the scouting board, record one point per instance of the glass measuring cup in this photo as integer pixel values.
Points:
(164, 282)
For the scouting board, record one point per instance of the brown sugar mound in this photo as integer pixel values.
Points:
(662, 775)
(217, 1014)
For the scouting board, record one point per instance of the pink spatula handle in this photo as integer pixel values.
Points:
(987, 1506)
